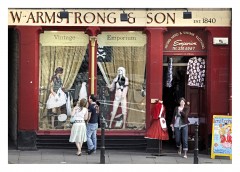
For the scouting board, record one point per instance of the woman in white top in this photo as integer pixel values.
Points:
(78, 131)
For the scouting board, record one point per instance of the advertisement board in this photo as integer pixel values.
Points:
(221, 136)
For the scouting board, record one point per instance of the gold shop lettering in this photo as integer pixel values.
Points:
(76, 17)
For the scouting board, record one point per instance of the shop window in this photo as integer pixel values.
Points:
(121, 61)
(62, 64)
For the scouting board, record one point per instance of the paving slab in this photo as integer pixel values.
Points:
(68, 156)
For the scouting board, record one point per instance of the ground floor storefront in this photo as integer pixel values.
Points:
(162, 58)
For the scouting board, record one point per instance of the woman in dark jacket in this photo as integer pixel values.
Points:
(180, 124)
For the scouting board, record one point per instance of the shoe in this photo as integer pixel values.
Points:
(185, 156)
(79, 153)
(90, 151)
(179, 152)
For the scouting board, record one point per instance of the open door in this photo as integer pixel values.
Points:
(179, 88)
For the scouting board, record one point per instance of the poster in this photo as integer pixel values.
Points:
(221, 136)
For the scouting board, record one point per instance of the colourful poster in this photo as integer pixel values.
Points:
(221, 136)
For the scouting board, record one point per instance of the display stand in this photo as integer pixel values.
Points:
(159, 149)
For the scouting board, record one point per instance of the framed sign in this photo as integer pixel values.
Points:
(221, 136)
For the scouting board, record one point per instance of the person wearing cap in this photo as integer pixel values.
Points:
(92, 125)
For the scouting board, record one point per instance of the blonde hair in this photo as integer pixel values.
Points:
(82, 102)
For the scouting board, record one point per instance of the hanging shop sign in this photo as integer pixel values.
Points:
(111, 17)
(221, 136)
(184, 42)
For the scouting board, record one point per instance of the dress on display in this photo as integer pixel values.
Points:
(156, 130)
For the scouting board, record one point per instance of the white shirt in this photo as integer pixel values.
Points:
(79, 115)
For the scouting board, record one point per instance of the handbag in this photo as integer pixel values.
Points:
(163, 123)
(72, 119)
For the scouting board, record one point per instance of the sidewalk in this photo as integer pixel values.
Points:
(67, 156)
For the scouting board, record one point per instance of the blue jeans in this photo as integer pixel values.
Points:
(92, 136)
(181, 135)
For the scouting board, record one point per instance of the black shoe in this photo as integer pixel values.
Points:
(90, 151)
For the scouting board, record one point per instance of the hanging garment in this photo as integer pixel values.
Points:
(196, 71)
(58, 100)
(158, 129)
(68, 105)
(83, 91)
(169, 73)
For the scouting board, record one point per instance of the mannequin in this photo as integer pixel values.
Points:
(158, 130)
(56, 83)
(121, 84)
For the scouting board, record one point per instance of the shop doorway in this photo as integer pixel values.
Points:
(176, 86)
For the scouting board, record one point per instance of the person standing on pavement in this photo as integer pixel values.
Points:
(78, 131)
(180, 126)
(92, 125)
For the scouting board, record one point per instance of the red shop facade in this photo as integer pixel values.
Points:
(90, 50)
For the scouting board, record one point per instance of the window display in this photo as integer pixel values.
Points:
(121, 61)
(60, 62)
(121, 77)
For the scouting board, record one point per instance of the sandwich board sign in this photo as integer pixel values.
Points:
(221, 136)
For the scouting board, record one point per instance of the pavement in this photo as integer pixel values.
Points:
(68, 156)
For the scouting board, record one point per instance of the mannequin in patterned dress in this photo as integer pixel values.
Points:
(56, 83)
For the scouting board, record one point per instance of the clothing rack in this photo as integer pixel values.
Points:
(176, 64)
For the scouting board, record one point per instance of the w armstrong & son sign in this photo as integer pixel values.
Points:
(111, 17)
